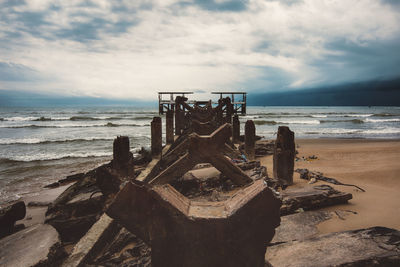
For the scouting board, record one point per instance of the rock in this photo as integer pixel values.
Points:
(284, 154)
(39, 204)
(9, 215)
(376, 246)
(37, 245)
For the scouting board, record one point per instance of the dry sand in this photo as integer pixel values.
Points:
(374, 165)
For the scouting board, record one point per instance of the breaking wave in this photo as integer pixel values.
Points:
(11, 141)
(54, 156)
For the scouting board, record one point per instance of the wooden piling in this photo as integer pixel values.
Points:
(156, 136)
(250, 139)
(169, 126)
(284, 154)
(235, 129)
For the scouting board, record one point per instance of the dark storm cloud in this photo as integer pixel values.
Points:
(355, 62)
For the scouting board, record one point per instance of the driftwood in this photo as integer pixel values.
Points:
(308, 175)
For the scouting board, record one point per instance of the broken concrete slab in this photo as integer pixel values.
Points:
(33, 246)
(299, 226)
(182, 232)
(376, 246)
(310, 198)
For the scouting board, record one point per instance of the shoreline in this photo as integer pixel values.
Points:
(379, 205)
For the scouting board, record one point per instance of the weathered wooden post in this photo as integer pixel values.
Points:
(169, 126)
(179, 115)
(235, 129)
(250, 139)
(121, 152)
(284, 154)
(229, 110)
(156, 136)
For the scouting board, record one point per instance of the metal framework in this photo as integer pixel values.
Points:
(239, 105)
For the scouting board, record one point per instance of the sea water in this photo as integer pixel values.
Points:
(42, 145)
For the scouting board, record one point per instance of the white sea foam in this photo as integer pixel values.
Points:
(319, 116)
(20, 118)
(54, 156)
(9, 141)
(298, 121)
(382, 120)
(353, 115)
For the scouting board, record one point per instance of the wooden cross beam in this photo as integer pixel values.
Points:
(201, 149)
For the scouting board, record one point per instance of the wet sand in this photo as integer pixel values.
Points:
(374, 165)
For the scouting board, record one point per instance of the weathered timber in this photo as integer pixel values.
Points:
(169, 126)
(229, 110)
(204, 149)
(122, 157)
(189, 233)
(235, 129)
(250, 139)
(156, 136)
(309, 198)
(120, 248)
(179, 115)
(376, 246)
(92, 241)
(9, 215)
(284, 154)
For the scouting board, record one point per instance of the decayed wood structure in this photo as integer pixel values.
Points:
(186, 231)
(182, 232)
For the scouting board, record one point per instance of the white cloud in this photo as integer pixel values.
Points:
(87, 49)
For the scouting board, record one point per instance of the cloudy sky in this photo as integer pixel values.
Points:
(132, 49)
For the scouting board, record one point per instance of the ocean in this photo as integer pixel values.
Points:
(42, 145)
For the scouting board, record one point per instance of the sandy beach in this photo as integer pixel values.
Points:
(371, 164)
(374, 165)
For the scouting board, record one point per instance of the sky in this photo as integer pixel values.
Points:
(133, 49)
